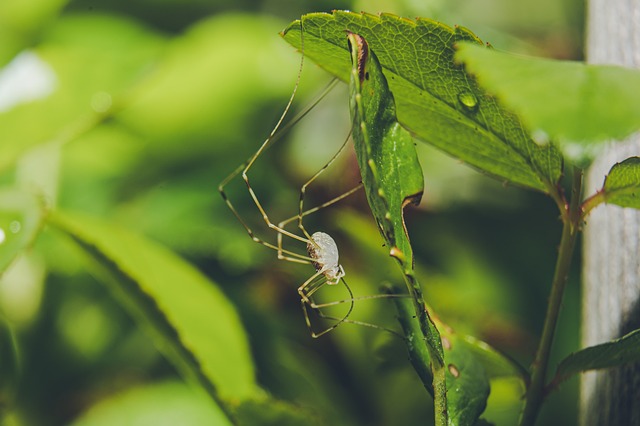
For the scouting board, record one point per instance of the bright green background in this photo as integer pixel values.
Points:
(195, 86)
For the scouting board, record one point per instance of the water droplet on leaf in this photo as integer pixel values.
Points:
(468, 100)
(540, 137)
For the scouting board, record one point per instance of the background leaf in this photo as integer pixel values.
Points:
(622, 184)
(161, 404)
(264, 411)
(435, 99)
(20, 221)
(22, 22)
(573, 103)
(611, 354)
(199, 329)
(70, 99)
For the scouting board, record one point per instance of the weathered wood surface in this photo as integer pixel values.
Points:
(611, 288)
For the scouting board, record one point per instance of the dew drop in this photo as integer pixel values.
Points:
(540, 137)
(468, 100)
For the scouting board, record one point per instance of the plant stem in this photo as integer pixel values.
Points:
(425, 360)
(592, 202)
(571, 221)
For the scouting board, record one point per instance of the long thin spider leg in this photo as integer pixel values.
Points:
(362, 323)
(287, 221)
(301, 212)
(357, 299)
(245, 177)
(307, 109)
(244, 168)
(311, 285)
(282, 254)
(319, 306)
(303, 189)
(311, 303)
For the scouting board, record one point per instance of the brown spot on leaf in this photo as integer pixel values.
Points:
(446, 343)
(454, 371)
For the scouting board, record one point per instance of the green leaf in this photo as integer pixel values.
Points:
(11, 367)
(155, 404)
(20, 221)
(389, 165)
(611, 354)
(574, 102)
(472, 369)
(388, 160)
(622, 184)
(190, 96)
(435, 99)
(193, 322)
(74, 97)
(392, 178)
(21, 22)
(467, 381)
(264, 411)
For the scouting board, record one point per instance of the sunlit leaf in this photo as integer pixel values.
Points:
(505, 401)
(266, 411)
(193, 95)
(435, 99)
(622, 184)
(155, 404)
(611, 354)
(21, 22)
(574, 102)
(193, 322)
(74, 97)
(20, 222)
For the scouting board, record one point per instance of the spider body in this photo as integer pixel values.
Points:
(323, 251)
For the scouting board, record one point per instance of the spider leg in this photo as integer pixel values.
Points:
(243, 170)
(306, 292)
(319, 306)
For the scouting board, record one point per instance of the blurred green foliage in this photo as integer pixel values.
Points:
(135, 111)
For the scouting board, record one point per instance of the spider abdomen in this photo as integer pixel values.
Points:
(324, 252)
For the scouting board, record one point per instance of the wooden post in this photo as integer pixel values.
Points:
(611, 288)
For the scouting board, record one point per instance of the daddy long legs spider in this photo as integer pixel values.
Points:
(322, 251)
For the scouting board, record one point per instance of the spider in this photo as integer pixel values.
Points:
(322, 251)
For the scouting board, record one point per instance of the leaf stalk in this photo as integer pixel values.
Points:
(571, 218)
